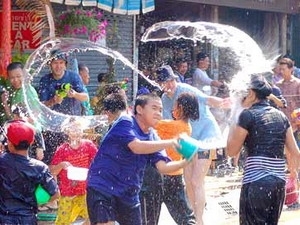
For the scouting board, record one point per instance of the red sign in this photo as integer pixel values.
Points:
(22, 35)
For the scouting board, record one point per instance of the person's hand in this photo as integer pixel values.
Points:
(39, 153)
(294, 174)
(71, 93)
(65, 164)
(226, 103)
(57, 99)
(4, 97)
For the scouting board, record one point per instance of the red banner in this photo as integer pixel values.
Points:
(22, 23)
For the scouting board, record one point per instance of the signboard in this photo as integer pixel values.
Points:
(22, 35)
(283, 6)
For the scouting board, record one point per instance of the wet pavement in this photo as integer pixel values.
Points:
(222, 204)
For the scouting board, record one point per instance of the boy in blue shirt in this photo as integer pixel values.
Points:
(116, 174)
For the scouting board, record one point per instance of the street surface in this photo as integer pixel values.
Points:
(222, 204)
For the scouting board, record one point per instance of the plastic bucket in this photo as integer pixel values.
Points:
(77, 173)
(188, 147)
(41, 195)
(291, 192)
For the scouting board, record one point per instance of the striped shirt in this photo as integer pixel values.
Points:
(257, 167)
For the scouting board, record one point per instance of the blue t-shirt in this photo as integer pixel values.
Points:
(116, 169)
(87, 109)
(48, 87)
(206, 127)
(19, 177)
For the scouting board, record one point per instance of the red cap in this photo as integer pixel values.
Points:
(18, 131)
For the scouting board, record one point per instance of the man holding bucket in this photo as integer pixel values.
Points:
(116, 174)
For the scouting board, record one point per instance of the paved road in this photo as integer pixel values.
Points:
(222, 204)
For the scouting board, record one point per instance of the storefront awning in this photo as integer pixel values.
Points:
(282, 6)
(126, 7)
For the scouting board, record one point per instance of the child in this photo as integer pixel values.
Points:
(173, 194)
(77, 152)
(116, 174)
(21, 175)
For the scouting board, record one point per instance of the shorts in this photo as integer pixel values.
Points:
(70, 208)
(14, 219)
(104, 207)
(209, 154)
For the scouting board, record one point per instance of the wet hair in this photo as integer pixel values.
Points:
(287, 61)
(201, 56)
(101, 77)
(81, 66)
(22, 145)
(112, 88)
(260, 86)
(190, 106)
(13, 66)
(179, 61)
(114, 102)
(143, 100)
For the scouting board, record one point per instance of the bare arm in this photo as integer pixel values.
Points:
(4, 98)
(236, 138)
(293, 150)
(55, 196)
(216, 83)
(55, 169)
(80, 96)
(169, 167)
(217, 102)
(71, 94)
(276, 100)
(148, 147)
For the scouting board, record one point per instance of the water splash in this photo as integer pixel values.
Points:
(249, 54)
(239, 46)
(47, 118)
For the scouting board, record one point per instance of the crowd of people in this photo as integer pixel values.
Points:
(136, 167)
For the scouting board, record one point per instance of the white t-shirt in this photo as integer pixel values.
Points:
(201, 79)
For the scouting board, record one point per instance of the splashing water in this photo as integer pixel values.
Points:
(246, 51)
(44, 116)
(250, 56)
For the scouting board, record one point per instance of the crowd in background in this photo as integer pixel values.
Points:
(131, 151)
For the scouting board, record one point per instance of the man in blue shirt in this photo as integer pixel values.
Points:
(116, 174)
(205, 129)
(62, 90)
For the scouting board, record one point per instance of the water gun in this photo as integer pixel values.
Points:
(124, 84)
(296, 115)
(63, 90)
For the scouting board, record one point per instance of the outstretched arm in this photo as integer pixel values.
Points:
(169, 167)
(216, 102)
(236, 138)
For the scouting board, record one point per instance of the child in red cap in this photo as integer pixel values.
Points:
(20, 176)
